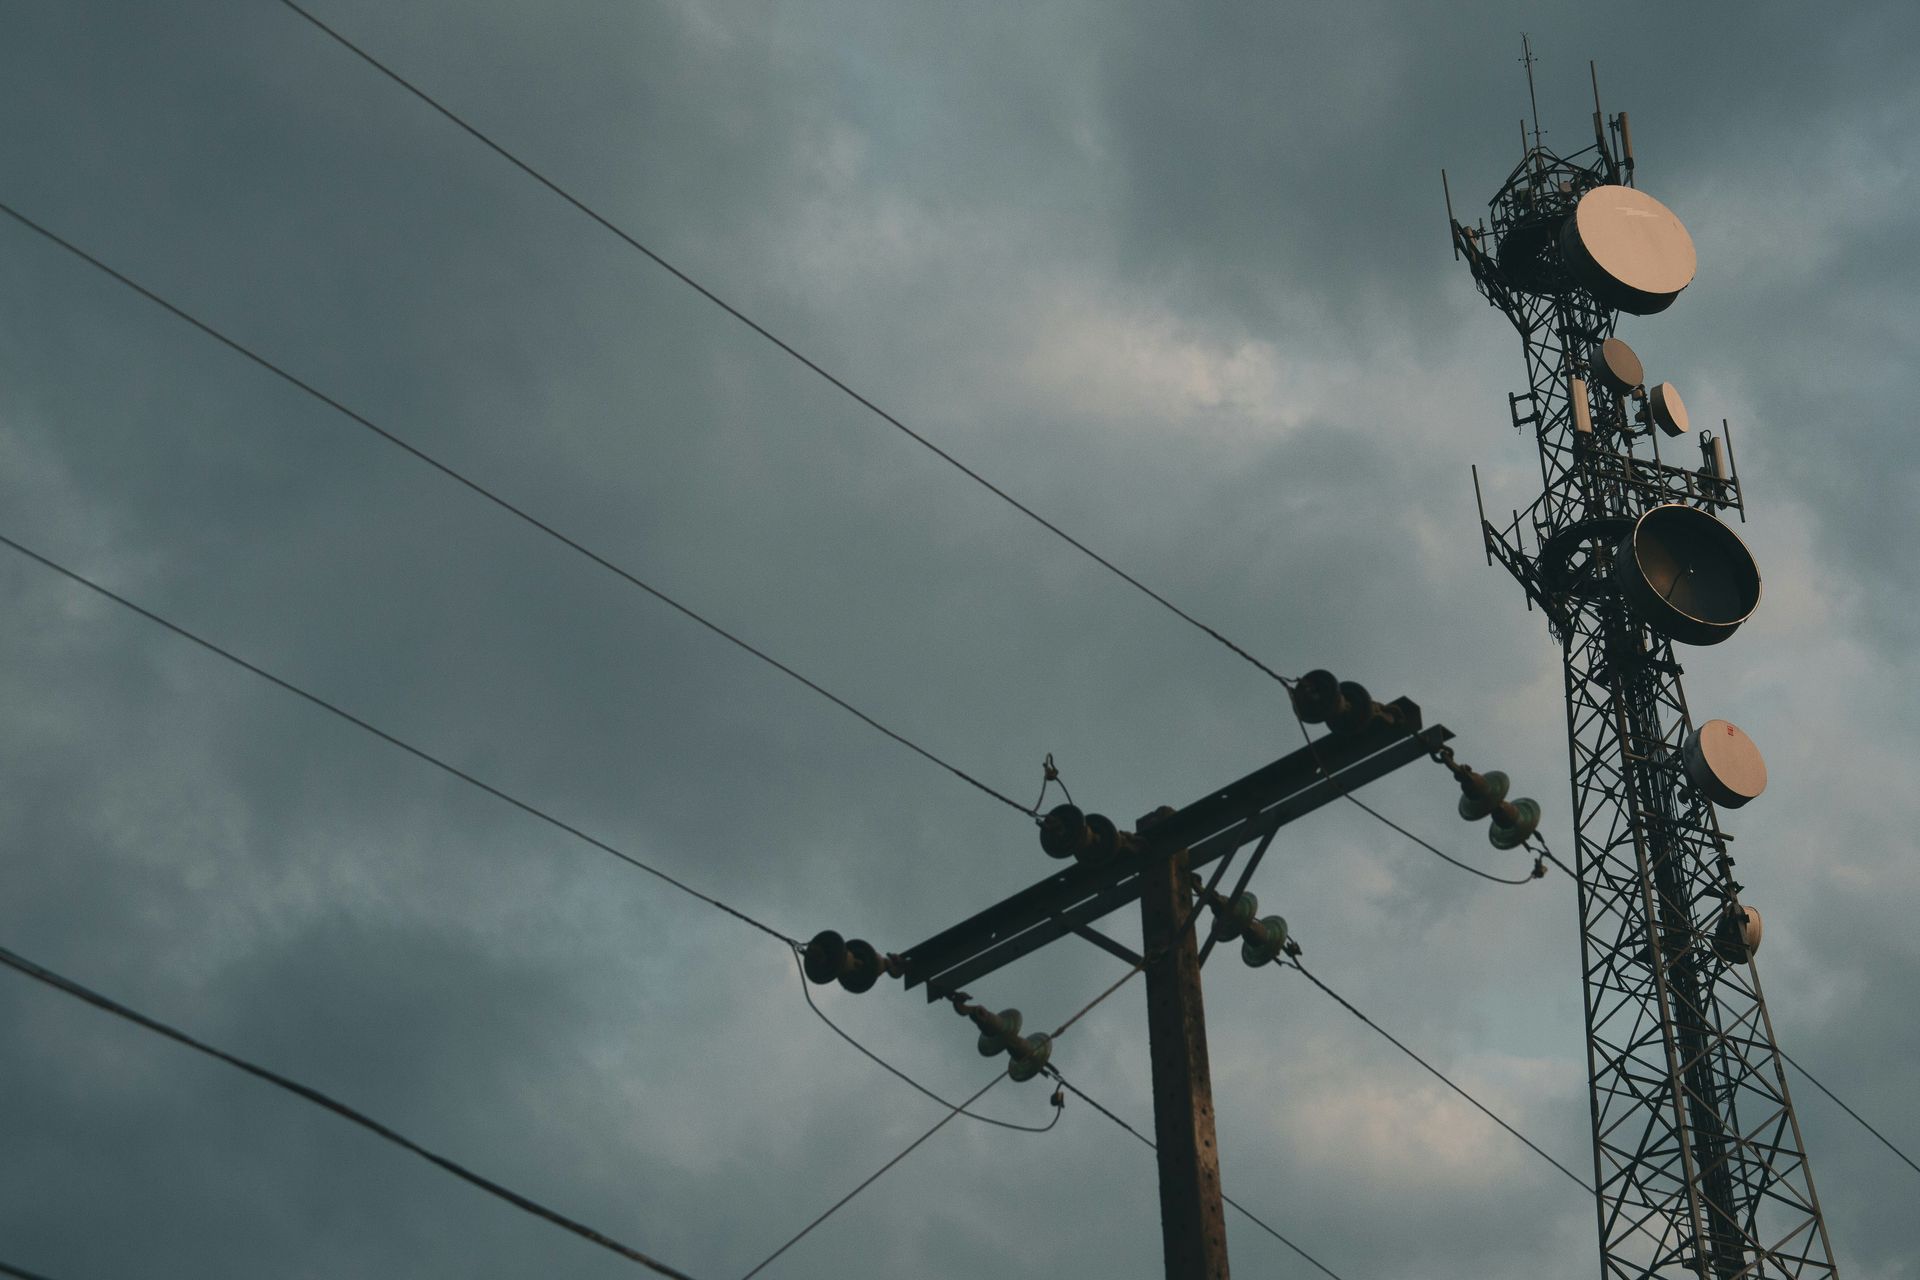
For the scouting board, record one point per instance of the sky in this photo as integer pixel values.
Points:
(1177, 277)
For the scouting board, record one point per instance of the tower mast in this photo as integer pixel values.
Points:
(1698, 1158)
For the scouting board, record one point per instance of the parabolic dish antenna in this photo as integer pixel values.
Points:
(1724, 764)
(1627, 249)
(1616, 364)
(1669, 410)
(1686, 575)
(1738, 935)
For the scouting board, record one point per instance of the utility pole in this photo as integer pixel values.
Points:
(1157, 863)
(1192, 1219)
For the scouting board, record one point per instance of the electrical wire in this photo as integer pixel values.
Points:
(1582, 1183)
(1886, 1141)
(888, 418)
(311, 1095)
(1347, 795)
(1484, 875)
(1081, 1094)
(417, 752)
(8, 1269)
(1437, 1074)
(483, 491)
(903, 1076)
(875, 1175)
(68, 986)
(1090, 1005)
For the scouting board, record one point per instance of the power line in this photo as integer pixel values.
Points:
(764, 332)
(483, 491)
(898, 1073)
(534, 811)
(310, 1094)
(417, 752)
(1347, 795)
(1437, 1074)
(1070, 1087)
(8, 1269)
(875, 1175)
(1479, 1106)
(1121, 981)
(1850, 1111)
(1446, 857)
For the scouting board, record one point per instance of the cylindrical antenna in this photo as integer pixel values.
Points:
(1626, 140)
(1582, 409)
(1713, 455)
(1526, 45)
(1453, 228)
(1486, 539)
(1733, 468)
(1599, 119)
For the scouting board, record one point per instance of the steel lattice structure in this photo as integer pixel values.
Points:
(1698, 1158)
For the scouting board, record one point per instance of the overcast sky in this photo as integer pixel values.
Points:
(1175, 275)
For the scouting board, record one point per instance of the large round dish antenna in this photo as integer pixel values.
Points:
(1686, 575)
(1627, 249)
(1724, 764)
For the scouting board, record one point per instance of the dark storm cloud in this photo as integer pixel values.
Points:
(1178, 281)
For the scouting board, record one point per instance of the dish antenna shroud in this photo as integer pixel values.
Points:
(1572, 561)
(1686, 575)
(1627, 249)
(1668, 409)
(1618, 366)
(1725, 764)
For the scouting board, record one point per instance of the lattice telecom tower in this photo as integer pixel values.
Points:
(1698, 1158)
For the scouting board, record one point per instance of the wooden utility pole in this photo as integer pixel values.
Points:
(1192, 1221)
(1154, 864)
